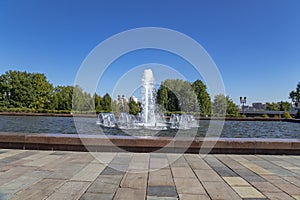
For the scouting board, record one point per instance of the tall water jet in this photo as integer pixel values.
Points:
(150, 115)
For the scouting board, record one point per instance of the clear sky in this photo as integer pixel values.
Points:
(254, 43)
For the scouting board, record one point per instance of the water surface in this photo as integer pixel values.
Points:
(66, 125)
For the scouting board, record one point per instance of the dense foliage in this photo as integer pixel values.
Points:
(32, 92)
(295, 94)
(224, 106)
(178, 95)
(281, 106)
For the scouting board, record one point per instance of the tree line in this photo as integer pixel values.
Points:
(32, 92)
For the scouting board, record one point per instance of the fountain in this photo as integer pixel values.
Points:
(106, 120)
(150, 117)
(183, 121)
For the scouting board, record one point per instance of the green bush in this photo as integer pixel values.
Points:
(286, 115)
(265, 116)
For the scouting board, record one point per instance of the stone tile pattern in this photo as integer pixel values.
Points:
(85, 176)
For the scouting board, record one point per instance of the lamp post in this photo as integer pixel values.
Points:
(243, 100)
(7, 96)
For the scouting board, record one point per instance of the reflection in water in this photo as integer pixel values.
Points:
(65, 125)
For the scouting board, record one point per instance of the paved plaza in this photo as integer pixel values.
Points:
(30, 174)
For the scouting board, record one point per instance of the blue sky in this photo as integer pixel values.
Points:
(255, 44)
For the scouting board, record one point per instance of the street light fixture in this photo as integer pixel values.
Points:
(7, 96)
(243, 101)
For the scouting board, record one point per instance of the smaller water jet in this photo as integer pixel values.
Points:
(183, 121)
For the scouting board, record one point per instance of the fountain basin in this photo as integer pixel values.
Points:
(74, 142)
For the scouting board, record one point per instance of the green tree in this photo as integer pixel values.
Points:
(134, 107)
(223, 105)
(203, 97)
(98, 103)
(177, 95)
(285, 106)
(162, 96)
(42, 91)
(295, 94)
(107, 103)
(61, 98)
(82, 101)
(28, 90)
(272, 106)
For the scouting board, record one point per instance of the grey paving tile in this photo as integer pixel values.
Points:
(158, 155)
(161, 191)
(96, 196)
(249, 176)
(105, 184)
(121, 160)
(225, 172)
(220, 167)
(161, 198)
(112, 171)
(58, 153)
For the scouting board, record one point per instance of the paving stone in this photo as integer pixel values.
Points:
(38, 173)
(123, 160)
(18, 184)
(159, 163)
(278, 196)
(236, 181)
(230, 163)
(5, 196)
(248, 192)
(67, 172)
(224, 171)
(249, 176)
(220, 190)
(95, 196)
(197, 162)
(180, 162)
(188, 186)
(193, 197)
(162, 191)
(182, 172)
(138, 165)
(13, 173)
(129, 194)
(296, 197)
(39, 190)
(88, 173)
(58, 153)
(70, 191)
(293, 180)
(43, 161)
(112, 171)
(9, 153)
(282, 172)
(207, 175)
(266, 187)
(135, 180)
(103, 157)
(161, 198)
(288, 188)
(80, 175)
(161, 177)
(118, 167)
(105, 184)
(158, 155)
